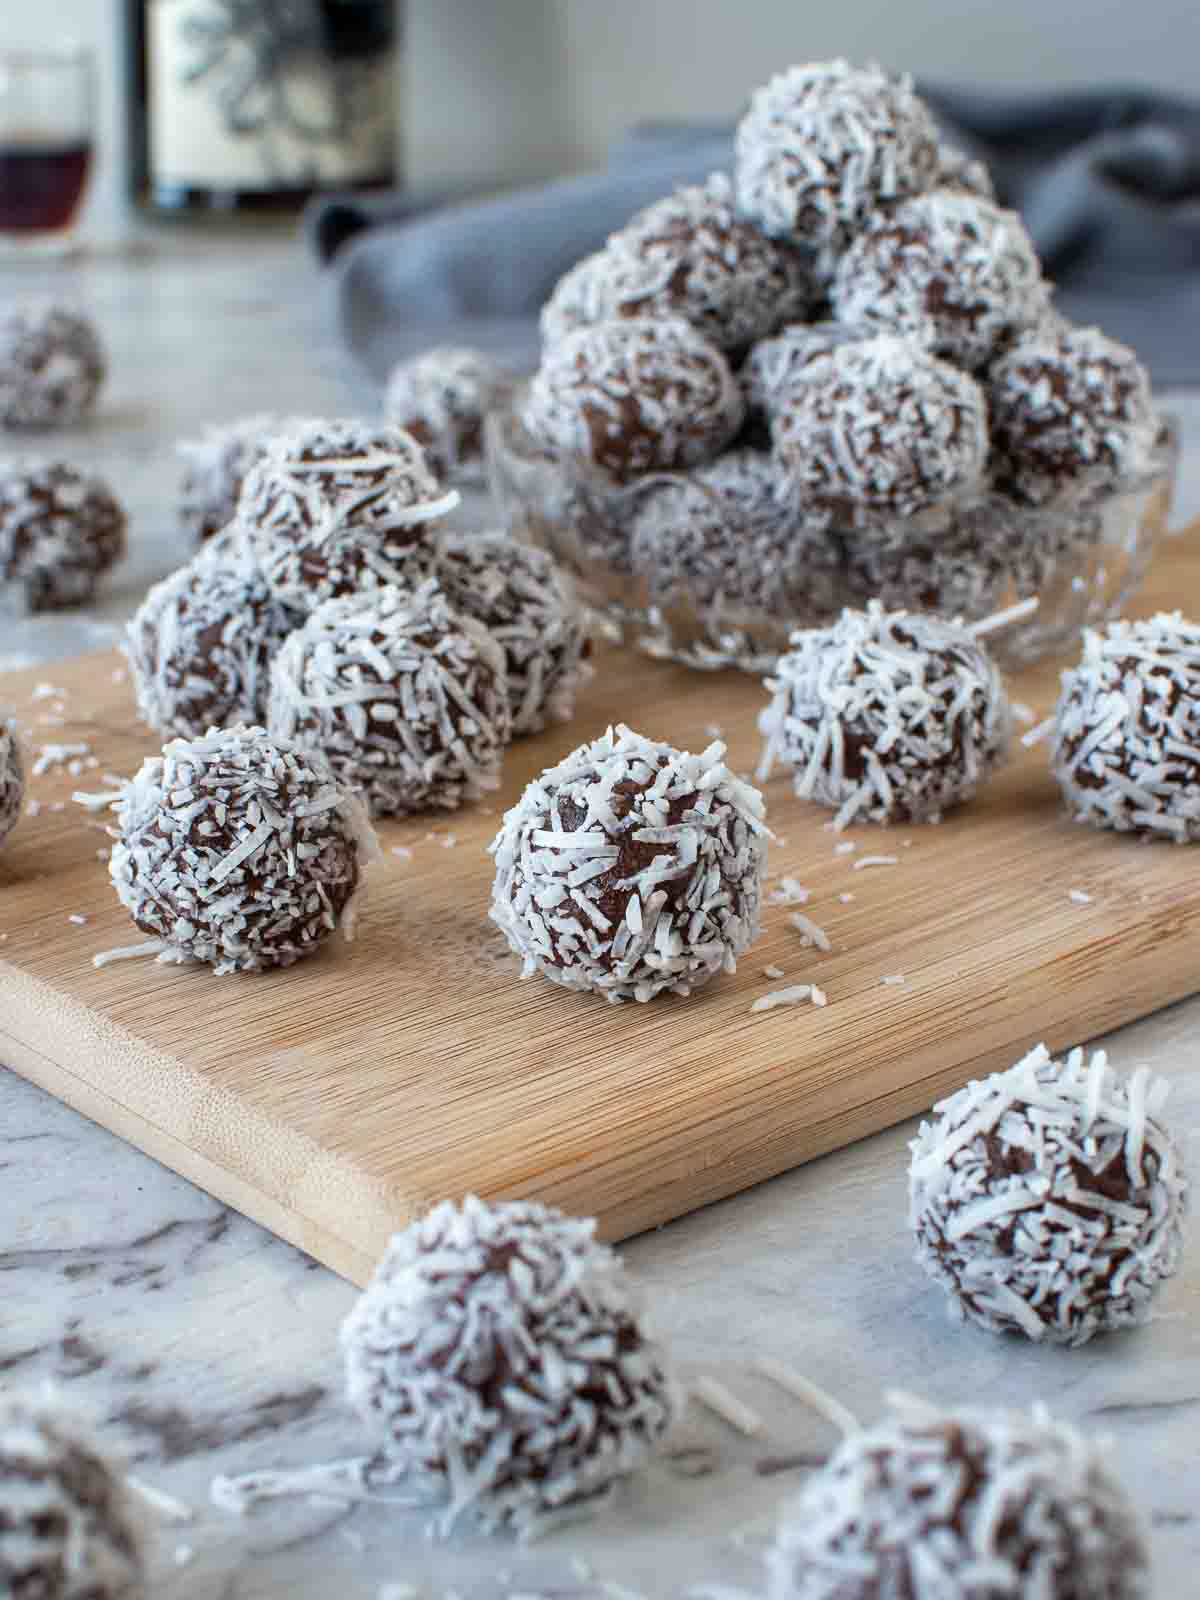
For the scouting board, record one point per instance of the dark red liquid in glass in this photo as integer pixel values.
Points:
(40, 185)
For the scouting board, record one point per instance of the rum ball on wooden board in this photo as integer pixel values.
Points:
(239, 850)
(728, 536)
(631, 869)
(201, 643)
(1126, 749)
(824, 144)
(60, 531)
(68, 1527)
(877, 429)
(406, 697)
(531, 608)
(500, 1356)
(12, 779)
(1049, 1200)
(886, 716)
(631, 396)
(1072, 415)
(341, 506)
(215, 466)
(947, 268)
(961, 1504)
(441, 398)
(52, 365)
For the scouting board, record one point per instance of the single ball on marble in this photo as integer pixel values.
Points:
(635, 395)
(728, 537)
(948, 269)
(631, 869)
(201, 643)
(341, 506)
(531, 608)
(500, 1356)
(60, 531)
(1049, 1200)
(1126, 749)
(960, 1504)
(441, 398)
(877, 429)
(215, 466)
(238, 850)
(1072, 415)
(822, 145)
(405, 697)
(689, 255)
(52, 364)
(69, 1529)
(886, 716)
(12, 780)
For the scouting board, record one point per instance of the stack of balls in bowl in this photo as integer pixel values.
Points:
(836, 375)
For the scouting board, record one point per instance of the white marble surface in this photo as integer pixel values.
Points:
(204, 1346)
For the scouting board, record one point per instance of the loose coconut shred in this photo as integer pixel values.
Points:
(1049, 1200)
(12, 781)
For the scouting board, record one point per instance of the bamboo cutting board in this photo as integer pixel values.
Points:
(333, 1100)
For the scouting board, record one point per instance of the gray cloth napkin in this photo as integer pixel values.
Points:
(1108, 182)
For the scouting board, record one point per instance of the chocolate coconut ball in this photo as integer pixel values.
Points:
(238, 850)
(500, 1356)
(773, 365)
(441, 398)
(1127, 729)
(1072, 415)
(631, 869)
(51, 365)
(877, 429)
(12, 780)
(823, 145)
(729, 537)
(634, 396)
(948, 269)
(60, 530)
(886, 716)
(341, 506)
(68, 1528)
(690, 256)
(1049, 1200)
(964, 1504)
(406, 698)
(215, 466)
(201, 643)
(530, 607)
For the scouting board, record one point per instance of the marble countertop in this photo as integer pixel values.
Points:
(205, 1346)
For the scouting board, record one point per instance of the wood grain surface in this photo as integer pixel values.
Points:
(333, 1100)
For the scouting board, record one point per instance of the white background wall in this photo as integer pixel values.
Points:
(503, 90)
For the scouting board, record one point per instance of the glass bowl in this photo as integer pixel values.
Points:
(1083, 563)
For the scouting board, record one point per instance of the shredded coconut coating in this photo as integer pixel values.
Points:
(879, 428)
(238, 850)
(964, 1504)
(441, 398)
(12, 780)
(689, 255)
(60, 530)
(52, 364)
(773, 365)
(631, 869)
(1072, 415)
(215, 466)
(406, 698)
(341, 506)
(947, 268)
(886, 716)
(634, 396)
(201, 643)
(729, 537)
(530, 607)
(1048, 1200)
(958, 171)
(499, 1354)
(823, 144)
(1126, 747)
(68, 1527)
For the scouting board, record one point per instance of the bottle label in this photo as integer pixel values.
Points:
(267, 95)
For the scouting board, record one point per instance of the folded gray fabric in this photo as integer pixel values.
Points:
(1108, 183)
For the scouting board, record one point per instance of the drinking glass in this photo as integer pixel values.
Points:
(46, 111)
